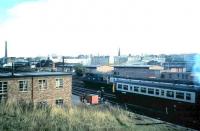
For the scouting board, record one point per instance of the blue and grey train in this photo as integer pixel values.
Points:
(180, 102)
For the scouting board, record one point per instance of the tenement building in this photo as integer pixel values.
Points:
(52, 88)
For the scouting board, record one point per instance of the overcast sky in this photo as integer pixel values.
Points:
(71, 27)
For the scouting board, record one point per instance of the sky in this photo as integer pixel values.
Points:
(72, 27)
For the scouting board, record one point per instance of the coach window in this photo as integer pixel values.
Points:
(131, 88)
(119, 86)
(150, 91)
(180, 95)
(157, 92)
(136, 88)
(170, 94)
(143, 90)
(162, 92)
(125, 87)
(188, 96)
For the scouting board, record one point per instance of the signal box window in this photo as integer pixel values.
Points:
(59, 102)
(3, 91)
(43, 84)
(23, 85)
(3, 87)
(125, 87)
(59, 83)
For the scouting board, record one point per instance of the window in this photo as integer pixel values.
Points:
(3, 91)
(3, 87)
(131, 88)
(162, 92)
(23, 85)
(59, 102)
(119, 86)
(180, 95)
(42, 104)
(125, 87)
(43, 84)
(177, 75)
(188, 96)
(143, 90)
(59, 83)
(150, 91)
(157, 92)
(136, 88)
(170, 94)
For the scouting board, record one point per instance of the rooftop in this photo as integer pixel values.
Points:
(133, 66)
(32, 74)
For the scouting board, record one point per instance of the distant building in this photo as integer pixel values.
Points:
(155, 58)
(175, 66)
(67, 67)
(100, 60)
(52, 88)
(84, 60)
(134, 60)
(138, 71)
(99, 69)
(119, 60)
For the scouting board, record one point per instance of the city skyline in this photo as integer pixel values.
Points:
(43, 27)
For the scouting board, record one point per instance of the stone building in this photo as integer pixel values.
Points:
(52, 88)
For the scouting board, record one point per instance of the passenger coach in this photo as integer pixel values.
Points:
(180, 102)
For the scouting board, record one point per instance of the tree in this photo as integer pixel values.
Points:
(79, 69)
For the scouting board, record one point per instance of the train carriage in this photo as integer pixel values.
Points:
(179, 102)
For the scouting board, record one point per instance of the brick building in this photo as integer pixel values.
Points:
(52, 88)
(138, 71)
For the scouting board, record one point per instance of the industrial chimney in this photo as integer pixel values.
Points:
(6, 53)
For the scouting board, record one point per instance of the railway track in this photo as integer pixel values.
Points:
(80, 91)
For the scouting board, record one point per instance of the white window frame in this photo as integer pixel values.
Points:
(184, 97)
(59, 84)
(59, 103)
(27, 82)
(3, 89)
(42, 86)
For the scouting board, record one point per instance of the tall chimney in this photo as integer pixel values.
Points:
(6, 53)
(63, 63)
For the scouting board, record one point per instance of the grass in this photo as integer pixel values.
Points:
(23, 117)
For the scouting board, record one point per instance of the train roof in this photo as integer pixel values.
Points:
(183, 87)
(175, 81)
